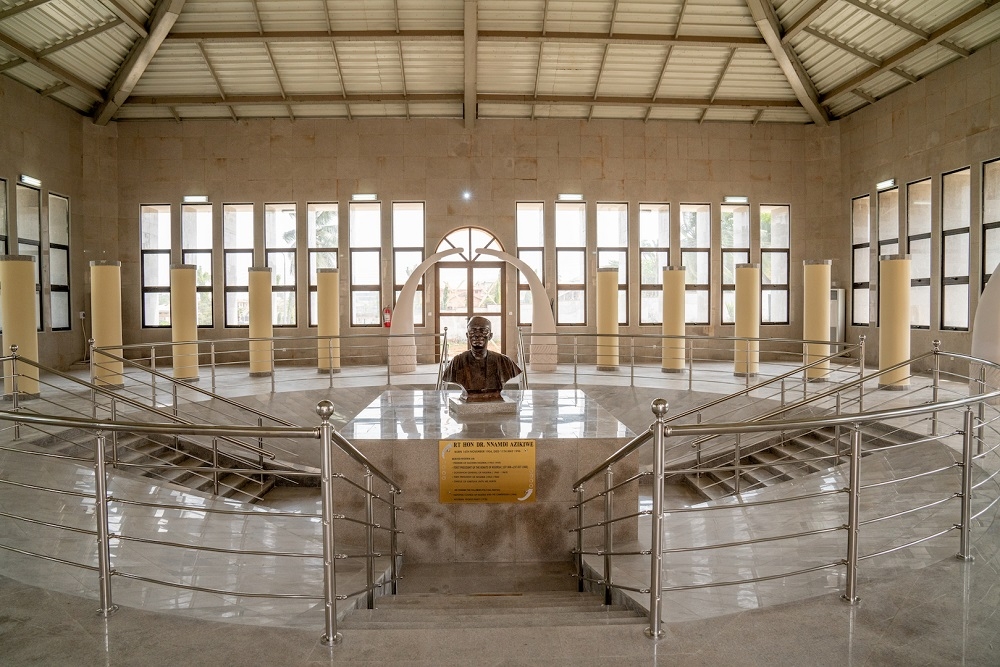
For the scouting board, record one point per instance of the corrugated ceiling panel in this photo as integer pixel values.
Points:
(362, 14)
(374, 110)
(754, 75)
(579, 15)
(731, 115)
(319, 110)
(929, 60)
(261, 111)
(790, 11)
(54, 22)
(569, 69)
(924, 15)
(785, 116)
(33, 77)
(647, 17)
(979, 33)
(863, 31)
(675, 113)
(97, 59)
(438, 15)
(883, 84)
(291, 15)
(631, 71)
(74, 99)
(306, 67)
(718, 17)
(619, 112)
(176, 69)
(436, 110)
(504, 67)
(504, 110)
(370, 67)
(201, 112)
(826, 64)
(214, 15)
(137, 113)
(434, 68)
(243, 69)
(517, 15)
(692, 72)
(561, 111)
(845, 104)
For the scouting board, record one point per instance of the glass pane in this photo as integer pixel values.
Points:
(29, 214)
(486, 289)
(622, 307)
(58, 266)
(237, 226)
(696, 226)
(651, 307)
(774, 226)
(735, 226)
(774, 306)
(860, 220)
(696, 267)
(405, 262)
(31, 250)
(60, 310)
(888, 249)
(861, 312)
(920, 306)
(408, 225)
(313, 309)
(918, 208)
(888, 214)
(283, 308)
(955, 204)
(366, 225)
(920, 259)
(58, 221)
(956, 255)
(365, 308)
(365, 267)
(156, 270)
(571, 225)
(570, 267)
(991, 192)
(571, 306)
(534, 259)
(154, 228)
(237, 309)
(774, 268)
(319, 259)
(454, 290)
(654, 225)
(279, 225)
(323, 225)
(196, 226)
(282, 268)
(651, 267)
(992, 244)
(238, 268)
(696, 306)
(728, 306)
(955, 309)
(204, 300)
(156, 309)
(862, 265)
(3, 212)
(480, 238)
(530, 226)
(614, 259)
(203, 267)
(525, 305)
(612, 225)
(729, 261)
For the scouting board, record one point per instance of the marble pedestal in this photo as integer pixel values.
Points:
(400, 432)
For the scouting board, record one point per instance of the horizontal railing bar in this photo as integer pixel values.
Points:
(600, 524)
(756, 540)
(221, 550)
(52, 559)
(986, 509)
(994, 475)
(47, 524)
(35, 487)
(716, 584)
(897, 480)
(624, 451)
(614, 553)
(908, 544)
(217, 591)
(348, 447)
(911, 510)
(49, 455)
(209, 510)
(755, 503)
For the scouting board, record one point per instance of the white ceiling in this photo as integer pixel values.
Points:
(780, 61)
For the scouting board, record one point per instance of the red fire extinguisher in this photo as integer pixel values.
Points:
(387, 316)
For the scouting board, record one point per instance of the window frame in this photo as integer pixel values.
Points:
(354, 251)
(624, 311)
(775, 251)
(706, 251)
(145, 255)
(911, 238)
(315, 251)
(564, 251)
(653, 291)
(990, 223)
(740, 255)
(54, 249)
(190, 252)
(856, 245)
(524, 296)
(290, 253)
(236, 251)
(419, 319)
(950, 233)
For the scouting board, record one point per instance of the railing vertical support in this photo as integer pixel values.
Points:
(329, 359)
(330, 636)
(836, 430)
(15, 405)
(273, 368)
(370, 536)
(215, 466)
(609, 479)
(631, 381)
(103, 536)
(655, 631)
(965, 544)
(212, 357)
(746, 363)
(690, 356)
(393, 540)
(114, 434)
(576, 357)
(152, 376)
(579, 539)
(982, 411)
(936, 383)
(853, 525)
(737, 467)
(861, 372)
(782, 392)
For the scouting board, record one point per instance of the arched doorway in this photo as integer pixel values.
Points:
(469, 284)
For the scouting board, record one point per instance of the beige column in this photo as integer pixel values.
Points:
(816, 315)
(184, 321)
(106, 316)
(328, 320)
(894, 320)
(747, 353)
(673, 319)
(17, 295)
(261, 321)
(607, 319)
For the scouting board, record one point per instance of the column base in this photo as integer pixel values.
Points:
(327, 371)
(607, 368)
(20, 396)
(260, 374)
(745, 375)
(894, 387)
(672, 370)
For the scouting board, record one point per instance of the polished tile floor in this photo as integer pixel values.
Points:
(918, 606)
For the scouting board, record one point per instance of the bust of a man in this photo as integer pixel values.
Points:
(481, 372)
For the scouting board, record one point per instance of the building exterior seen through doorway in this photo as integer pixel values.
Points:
(470, 284)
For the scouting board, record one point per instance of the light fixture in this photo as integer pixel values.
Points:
(466, 195)
(364, 196)
(31, 180)
(195, 199)
(736, 199)
(886, 184)
(565, 196)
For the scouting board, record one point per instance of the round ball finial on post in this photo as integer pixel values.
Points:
(659, 406)
(324, 409)
(13, 350)
(936, 346)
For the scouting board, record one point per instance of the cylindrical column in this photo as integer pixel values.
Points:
(894, 320)
(607, 319)
(106, 314)
(673, 319)
(659, 407)
(17, 295)
(747, 353)
(328, 320)
(325, 410)
(261, 323)
(816, 316)
(184, 320)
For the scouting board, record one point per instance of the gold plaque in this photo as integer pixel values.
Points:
(486, 471)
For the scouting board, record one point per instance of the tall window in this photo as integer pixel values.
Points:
(29, 221)
(654, 254)
(612, 249)
(3, 216)
(279, 254)
(955, 212)
(775, 224)
(571, 263)
(323, 231)
(888, 222)
(861, 260)
(237, 252)
(991, 219)
(735, 250)
(530, 250)
(154, 255)
(408, 250)
(366, 263)
(918, 246)
(696, 248)
(196, 249)
(59, 262)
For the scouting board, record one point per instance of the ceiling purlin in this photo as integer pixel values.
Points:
(900, 23)
(125, 15)
(53, 89)
(402, 75)
(600, 75)
(11, 64)
(817, 8)
(23, 7)
(215, 77)
(659, 81)
(538, 70)
(857, 53)
(395, 11)
(471, 36)
(770, 29)
(164, 16)
(114, 23)
(718, 83)
(336, 58)
(545, 16)
(934, 39)
(27, 55)
(270, 58)
(614, 17)
(680, 18)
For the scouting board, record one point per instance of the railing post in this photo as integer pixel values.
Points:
(103, 539)
(114, 434)
(152, 375)
(746, 364)
(260, 444)
(782, 392)
(215, 466)
(861, 373)
(853, 502)
(737, 468)
(965, 544)
(579, 539)
(325, 410)
(274, 369)
(697, 454)
(329, 358)
(936, 382)
(836, 429)
(15, 406)
(393, 541)
(212, 357)
(659, 407)
(609, 480)
(370, 537)
(980, 439)
(576, 358)
(690, 351)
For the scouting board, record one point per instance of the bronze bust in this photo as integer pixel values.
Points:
(481, 372)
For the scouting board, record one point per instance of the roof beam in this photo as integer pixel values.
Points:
(614, 17)
(844, 47)
(402, 75)
(164, 16)
(863, 95)
(471, 54)
(11, 64)
(545, 16)
(28, 56)
(114, 23)
(23, 7)
(934, 39)
(767, 23)
(119, 10)
(52, 90)
(722, 75)
(659, 81)
(680, 17)
(899, 23)
(817, 7)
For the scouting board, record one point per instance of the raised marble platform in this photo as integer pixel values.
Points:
(400, 432)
